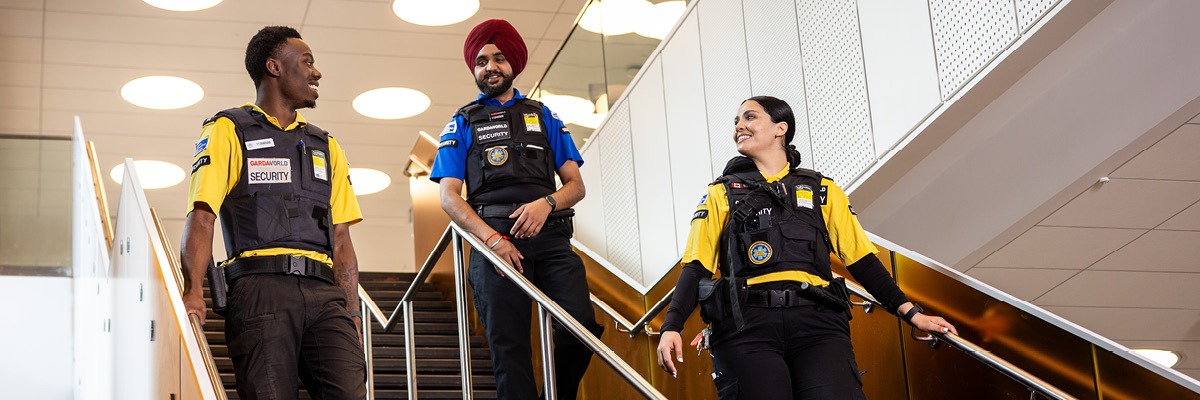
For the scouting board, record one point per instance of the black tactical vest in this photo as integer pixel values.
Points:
(775, 226)
(510, 159)
(282, 196)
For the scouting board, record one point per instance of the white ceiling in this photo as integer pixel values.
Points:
(1122, 257)
(70, 57)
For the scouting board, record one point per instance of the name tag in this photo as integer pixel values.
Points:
(492, 132)
(531, 123)
(269, 170)
(260, 144)
(804, 196)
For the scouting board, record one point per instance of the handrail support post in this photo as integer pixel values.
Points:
(464, 334)
(550, 391)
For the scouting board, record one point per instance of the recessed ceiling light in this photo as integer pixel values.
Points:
(1164, 358)
(614, 17)
(367, 181)
(658, 20)
(435, 13)
(162, 92)
(182, 5)
(573, 110)
(391, 103)
(153, 174)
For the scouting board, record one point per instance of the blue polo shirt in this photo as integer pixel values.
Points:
(451, 161)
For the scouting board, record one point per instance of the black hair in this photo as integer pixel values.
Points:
(262, 46)
(780, 111)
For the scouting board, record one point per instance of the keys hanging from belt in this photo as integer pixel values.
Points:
(704, 342)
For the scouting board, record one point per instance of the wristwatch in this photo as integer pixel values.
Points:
(553, 204)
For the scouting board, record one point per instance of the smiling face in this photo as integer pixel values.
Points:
(298, 75)
(493, 73)
(754, 132)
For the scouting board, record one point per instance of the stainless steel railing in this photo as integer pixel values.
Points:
(1033, 383)
(548, 311)
(633, 328)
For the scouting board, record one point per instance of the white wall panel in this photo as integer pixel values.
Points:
(968, 35)
(620, 198)
(773, 50)
(589, 212)
(687, 129)
(656, 210)
(901, 68)
(726, 73)
(1029, 11)
(839, 118)
(91, 282)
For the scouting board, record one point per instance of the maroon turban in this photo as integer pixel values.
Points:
(502, 34)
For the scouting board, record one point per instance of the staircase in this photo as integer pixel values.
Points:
(437, 345)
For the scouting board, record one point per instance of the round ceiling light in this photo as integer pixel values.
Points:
(391, 103)
(435, 13)
(182, 5)
(162, 92)
(658, 20)
(153, 174)
(1164, 358)
(367, 181)
(615, 17)
(573, 110)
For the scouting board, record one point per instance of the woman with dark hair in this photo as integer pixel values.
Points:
(779, 320)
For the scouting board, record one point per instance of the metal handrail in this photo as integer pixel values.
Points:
(1031, 382)
(633, 328)
(547, 310)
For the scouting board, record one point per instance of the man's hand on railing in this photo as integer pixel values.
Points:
(193, 302)
(508, 252)
(667, 343)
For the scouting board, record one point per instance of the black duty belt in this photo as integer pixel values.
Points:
(279, 264)
(504, 210)
(776, 298)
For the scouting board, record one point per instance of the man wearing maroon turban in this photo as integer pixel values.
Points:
(507, 149)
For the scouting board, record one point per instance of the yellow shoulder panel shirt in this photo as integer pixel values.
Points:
(850, 242)
(211, 183)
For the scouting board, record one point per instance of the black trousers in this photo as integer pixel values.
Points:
(505, 310)
(281, 327)
(785, 353)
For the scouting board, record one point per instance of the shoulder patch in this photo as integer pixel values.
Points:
(564, 130)
(200, 163)
(451, 127)
(851, 209)
(201, 145)
(448, 143)
(700, 214)
(703, 199)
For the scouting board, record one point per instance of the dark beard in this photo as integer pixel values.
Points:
(506, 82)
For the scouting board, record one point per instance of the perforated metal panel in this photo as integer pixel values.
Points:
(620, 196)
(726, 75)
(968, 35)
(1029, 11)
(839, 117)
(773, 49)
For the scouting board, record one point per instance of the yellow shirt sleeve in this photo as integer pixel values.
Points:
(707, 224)
(211, 181)
(342, 198)
(850, 242)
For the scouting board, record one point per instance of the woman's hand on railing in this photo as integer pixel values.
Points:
(508, 252)
(193, 302)
(668, 343)
(931, 323)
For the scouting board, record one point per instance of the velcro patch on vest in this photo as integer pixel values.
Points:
(804, 196)
(320, 165)
(531, 123)
(269, 170)
(760, 252)
(498, 115)
(492, 132)
(824, 194)
(736, 185)
(700, 214)
(260, 144)
(497, 155)
(200, 163)
(448, 143)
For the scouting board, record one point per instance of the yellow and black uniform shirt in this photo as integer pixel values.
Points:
(849, 241)
(211, 182)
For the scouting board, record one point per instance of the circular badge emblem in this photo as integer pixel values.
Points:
(760, 252)
(497, 155)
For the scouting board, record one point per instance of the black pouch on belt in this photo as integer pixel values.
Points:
(711, 294)
(218, 288)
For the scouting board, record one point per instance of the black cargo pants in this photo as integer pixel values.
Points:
(505, 311)
(281, 327)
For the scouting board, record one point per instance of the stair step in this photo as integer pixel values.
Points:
(220, 350)
(401, 381)
(381, 339)
(403, 394)
(399, 366)
(422, 328)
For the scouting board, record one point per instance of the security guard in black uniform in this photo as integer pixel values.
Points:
(507, 149)
(780, 322)
(286, 204)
